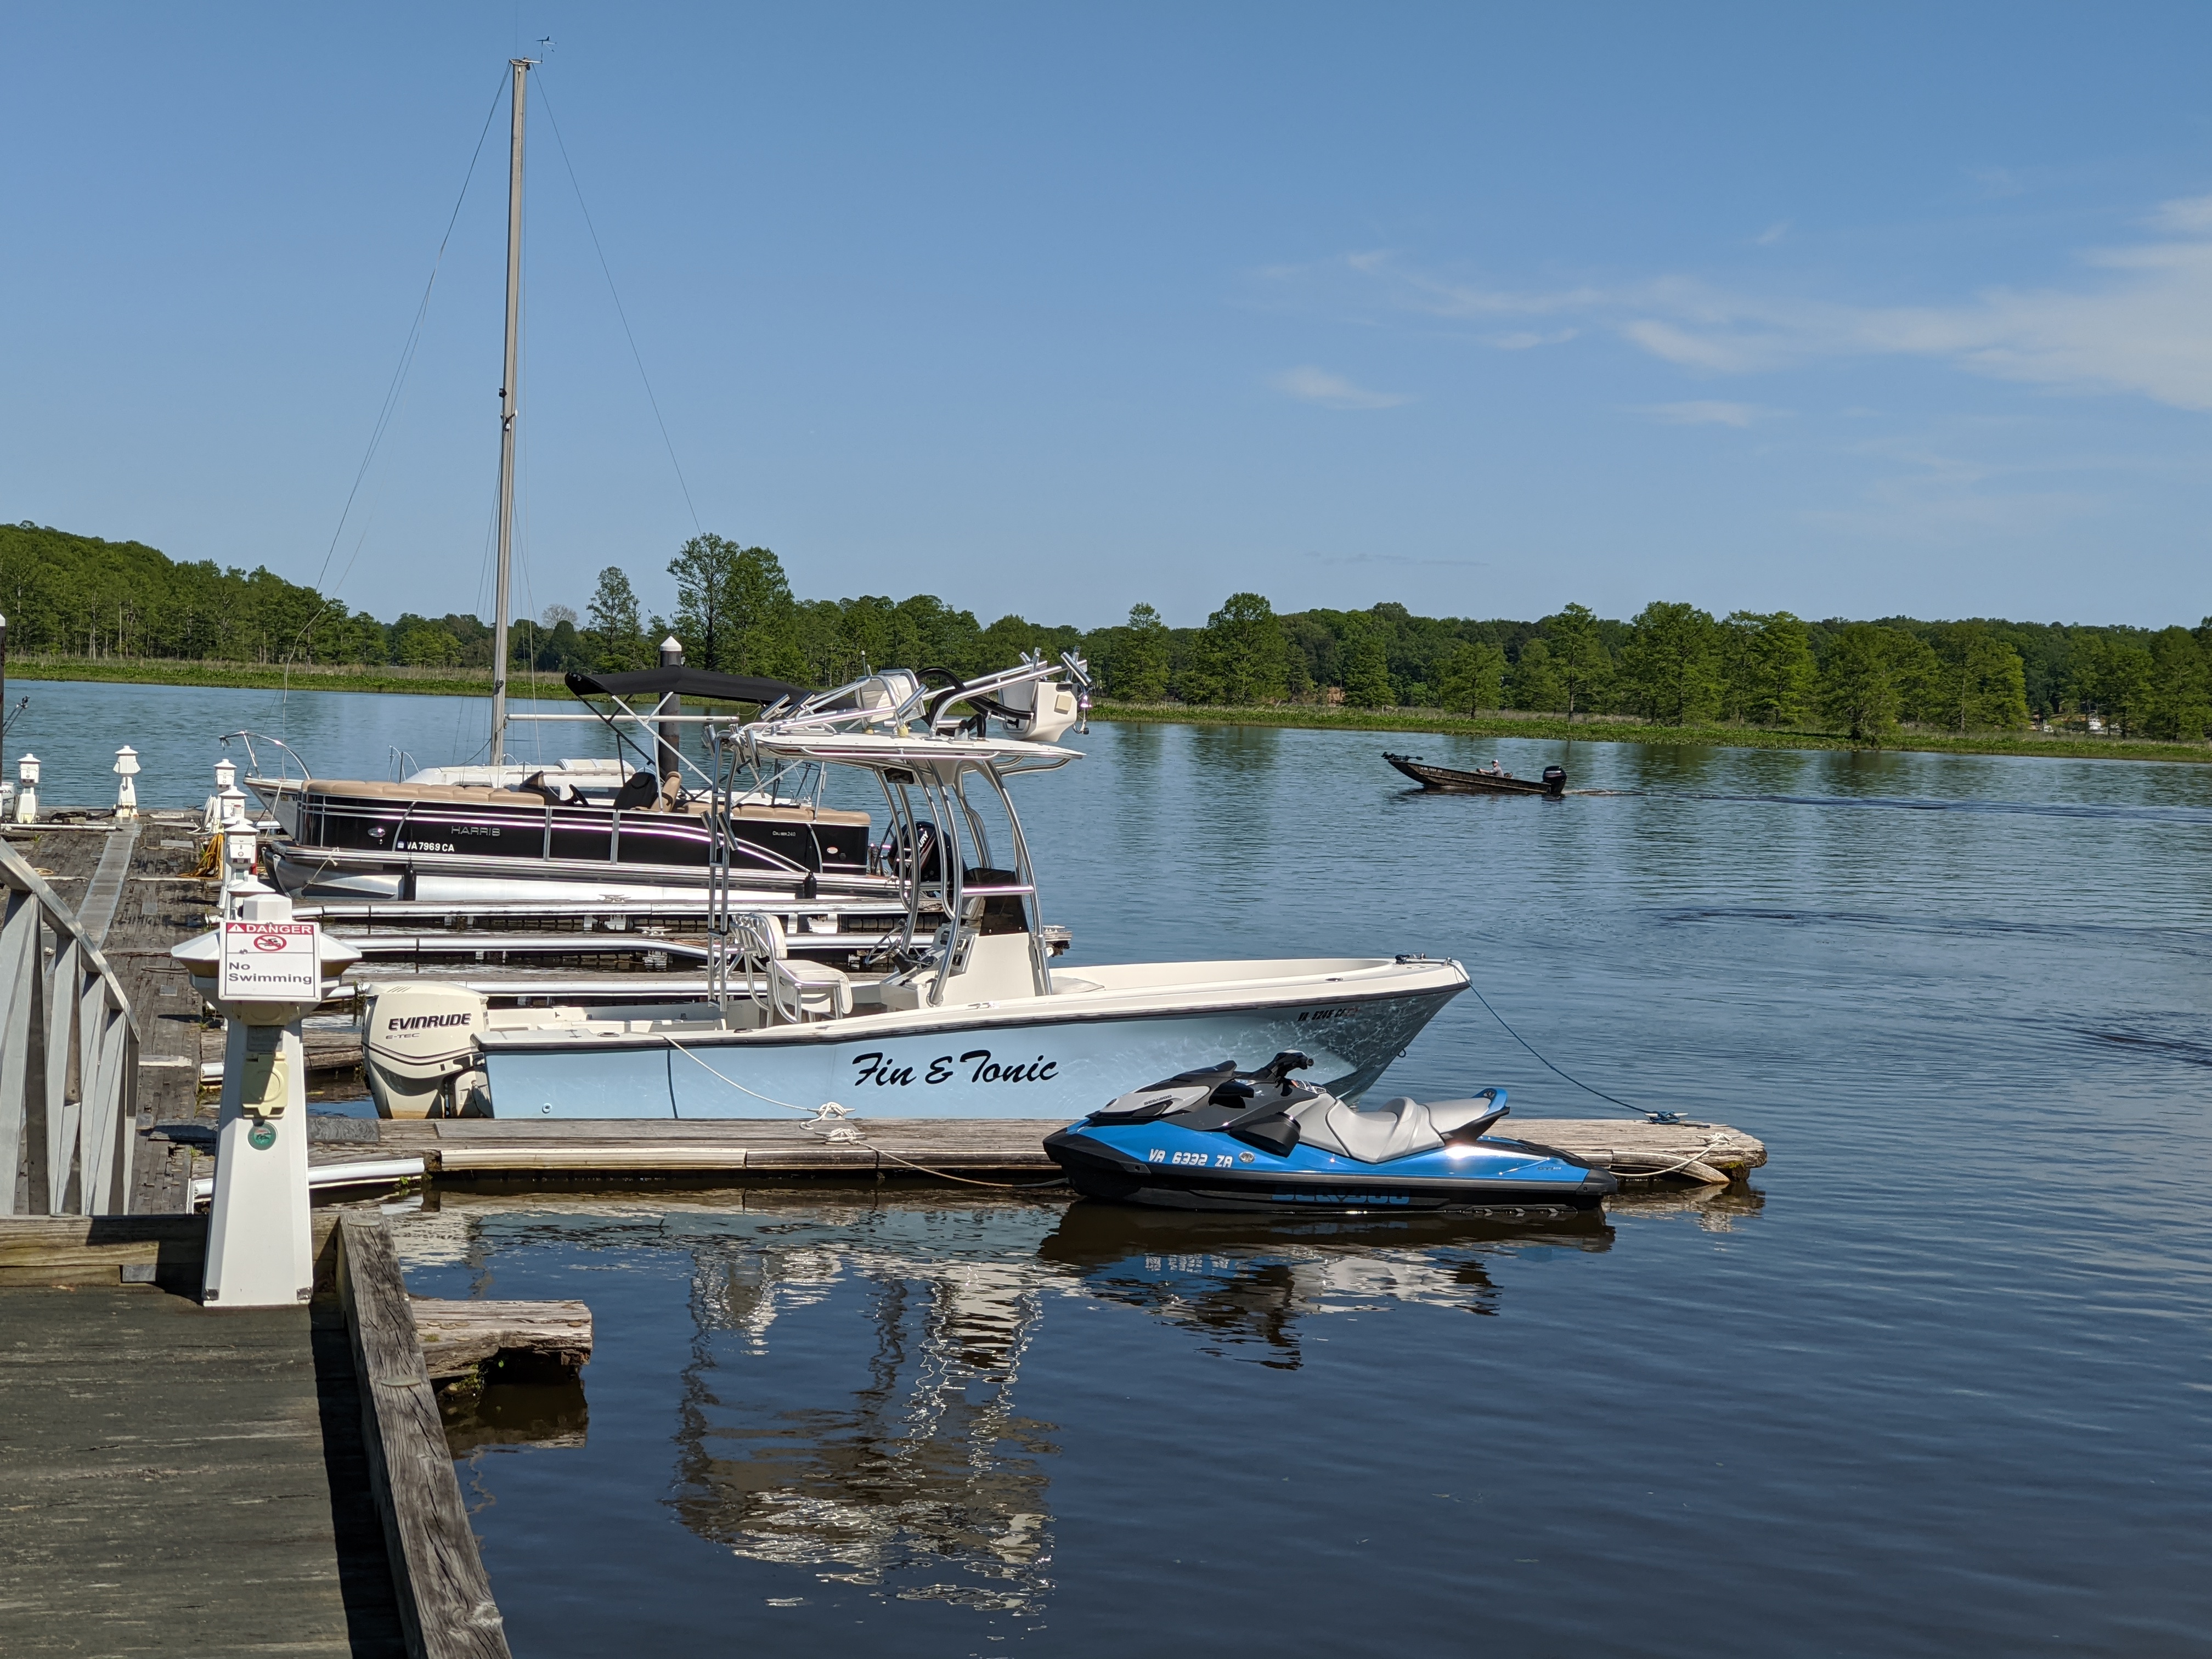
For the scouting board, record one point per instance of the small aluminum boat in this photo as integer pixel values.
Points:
(1451, 779)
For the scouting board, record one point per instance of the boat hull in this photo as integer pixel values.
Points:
(1161, 1166)
(1048, 1057)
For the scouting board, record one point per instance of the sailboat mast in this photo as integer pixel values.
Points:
(509, 402)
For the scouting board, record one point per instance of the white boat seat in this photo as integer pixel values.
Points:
(1396, 1129)
(797, 990)
(802, 989)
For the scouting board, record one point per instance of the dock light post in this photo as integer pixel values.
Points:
(27, 790)
(127, 788)
(266, 972)
(240, 847)
(663, 732)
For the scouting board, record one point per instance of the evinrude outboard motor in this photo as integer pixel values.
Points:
(1555, 780)
(420, 1050)
(1224, 1139)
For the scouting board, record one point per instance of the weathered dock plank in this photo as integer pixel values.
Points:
(460, 1339)
(180, 1482)
(445, 1598)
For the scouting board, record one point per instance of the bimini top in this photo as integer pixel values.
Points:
(687, 682)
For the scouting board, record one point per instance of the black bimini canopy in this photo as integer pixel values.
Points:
(685, 682)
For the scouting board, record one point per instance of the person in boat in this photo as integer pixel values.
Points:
(1494, 769)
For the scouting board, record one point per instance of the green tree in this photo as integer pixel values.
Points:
(1856, 689)
(1474, 678)
(1671, 668)
(1768, 672)
(1140, 668)
(1367, 668)
(1536, 683)
(1577, 655)
(420, 643)
(703, 569)
(2181, 698)
(759, 607)
(1239, 657)
(613, 637)
(2116, 676)
(1976, 682)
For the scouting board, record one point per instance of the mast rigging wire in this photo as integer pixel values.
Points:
(407, 351)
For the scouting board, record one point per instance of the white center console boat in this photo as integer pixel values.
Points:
(960, 1014)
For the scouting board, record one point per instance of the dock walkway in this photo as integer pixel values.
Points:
(178, 1481)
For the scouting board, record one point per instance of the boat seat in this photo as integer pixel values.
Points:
(1396, 1129)
(640, 789)
(797, 990)
(1451, 1117)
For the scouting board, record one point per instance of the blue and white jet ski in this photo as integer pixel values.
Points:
(1226, 1139)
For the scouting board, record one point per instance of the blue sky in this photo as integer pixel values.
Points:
(1052, 309)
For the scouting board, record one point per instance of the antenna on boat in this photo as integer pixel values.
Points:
(509, 403)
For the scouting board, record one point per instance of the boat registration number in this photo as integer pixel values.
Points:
(1200, 1160)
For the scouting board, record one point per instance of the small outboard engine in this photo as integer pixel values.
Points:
(420, 1050)
(1555, 780)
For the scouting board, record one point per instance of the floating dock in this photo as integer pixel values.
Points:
(1008, 1150)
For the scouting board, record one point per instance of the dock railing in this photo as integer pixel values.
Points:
(68, 1059)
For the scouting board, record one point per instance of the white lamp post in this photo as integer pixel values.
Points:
(126, 789)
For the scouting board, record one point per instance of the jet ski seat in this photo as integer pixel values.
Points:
(1396, 1129)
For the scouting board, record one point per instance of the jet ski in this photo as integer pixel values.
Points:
(1225, 1140)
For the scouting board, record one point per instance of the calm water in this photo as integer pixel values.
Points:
(1939, 1383)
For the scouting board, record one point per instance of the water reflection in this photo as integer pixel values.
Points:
(1243, 1286)
(926, 1464)
(506, 1415)
(848, 1399)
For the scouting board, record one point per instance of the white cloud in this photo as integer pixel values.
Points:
(1524, 339)
(1707, 412)
(2139, 320)
(1773, 233)
(2188, 215)
(1317, 385)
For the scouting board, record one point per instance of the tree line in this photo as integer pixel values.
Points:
(1671, 663)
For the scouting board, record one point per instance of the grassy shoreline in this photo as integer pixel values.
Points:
(253, 676)
(477, 683)
(1607, 729)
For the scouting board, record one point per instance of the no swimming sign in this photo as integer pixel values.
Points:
(269, 962)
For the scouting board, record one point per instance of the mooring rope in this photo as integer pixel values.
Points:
(1648, 1116)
